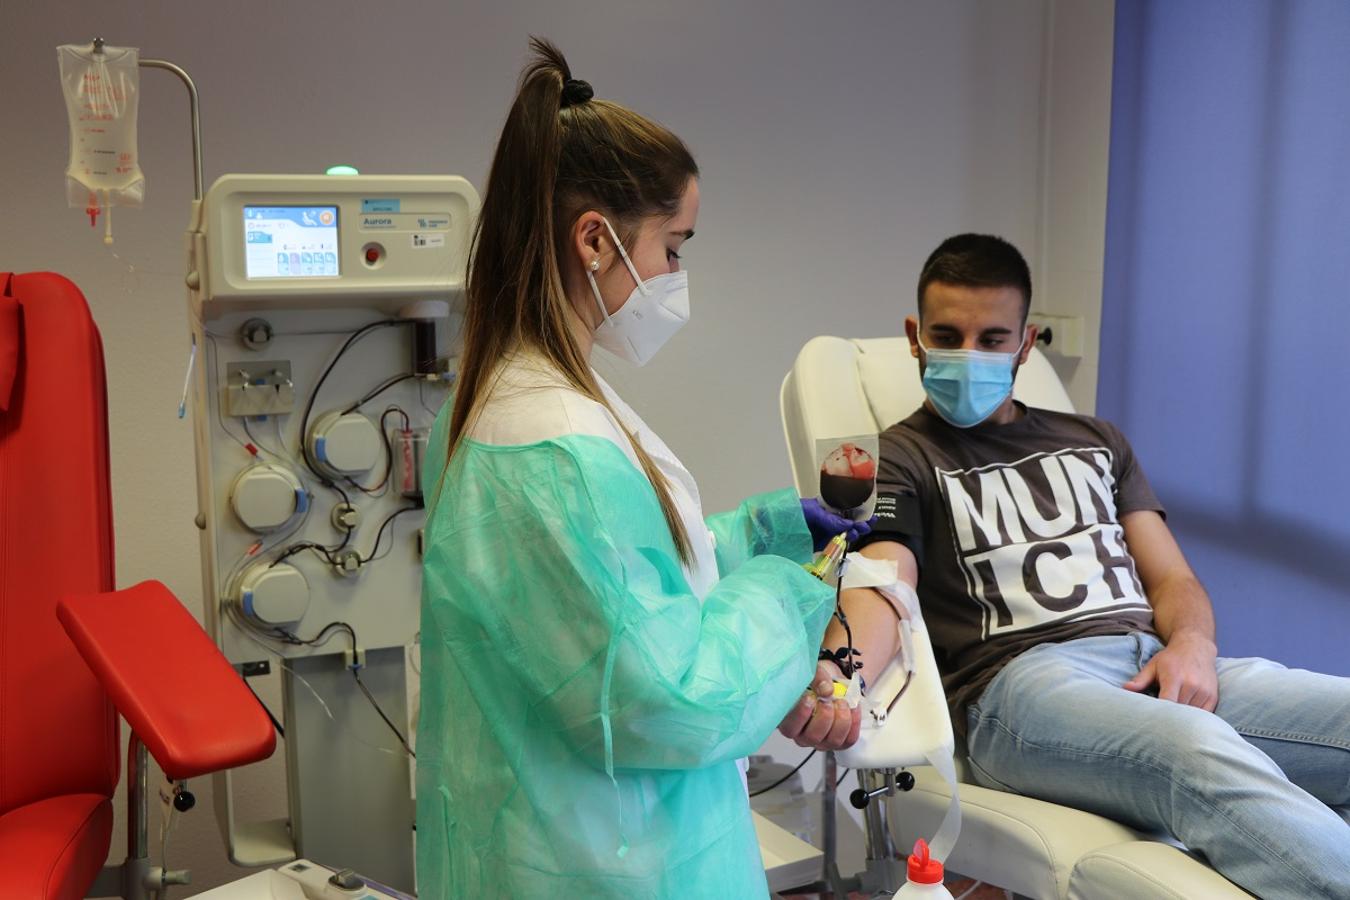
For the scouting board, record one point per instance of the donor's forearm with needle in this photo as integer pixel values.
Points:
(871, 617)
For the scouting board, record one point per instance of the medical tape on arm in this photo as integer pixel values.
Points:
(882, 575)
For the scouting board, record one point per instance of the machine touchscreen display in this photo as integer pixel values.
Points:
(291, 242)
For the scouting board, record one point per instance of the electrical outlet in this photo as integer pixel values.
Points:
(1059, 335)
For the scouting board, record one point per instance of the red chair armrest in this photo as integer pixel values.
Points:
(168, 680)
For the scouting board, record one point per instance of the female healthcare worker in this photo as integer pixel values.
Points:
(595, 656)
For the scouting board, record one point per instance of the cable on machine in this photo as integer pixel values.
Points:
(374, 551)
(794, 771)
(380, 488)
(318, 386)
(375, 392)
(325, 634)
(392, 727)
(281, 732)
(356, 674)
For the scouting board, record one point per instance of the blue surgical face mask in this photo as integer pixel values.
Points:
(966, 386)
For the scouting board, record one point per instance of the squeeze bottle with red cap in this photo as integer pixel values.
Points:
(925, 876)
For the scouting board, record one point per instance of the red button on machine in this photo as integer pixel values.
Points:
(372, 255)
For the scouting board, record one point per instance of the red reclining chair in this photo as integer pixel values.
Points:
(136, 652)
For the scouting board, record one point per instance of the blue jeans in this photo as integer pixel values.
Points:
(1261, 787)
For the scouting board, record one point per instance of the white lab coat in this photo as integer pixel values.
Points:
(531, 402)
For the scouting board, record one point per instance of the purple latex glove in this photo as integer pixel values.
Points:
(825, 525)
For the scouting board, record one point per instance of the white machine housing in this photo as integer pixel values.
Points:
(306, 261)
(419, 226)
(301, 880)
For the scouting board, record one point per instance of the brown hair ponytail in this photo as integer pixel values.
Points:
(555, 160)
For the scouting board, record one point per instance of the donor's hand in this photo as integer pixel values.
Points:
(1183, 671)
(818, 720)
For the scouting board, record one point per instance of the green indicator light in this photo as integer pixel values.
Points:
(342, 170)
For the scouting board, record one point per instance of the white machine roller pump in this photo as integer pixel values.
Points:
(267, 497)
(345, 443)
(273, 594)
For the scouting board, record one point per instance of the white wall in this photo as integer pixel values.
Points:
(1076, 116)
(839, 143)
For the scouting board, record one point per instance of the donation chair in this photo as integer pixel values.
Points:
(840, 387)
(137, 652)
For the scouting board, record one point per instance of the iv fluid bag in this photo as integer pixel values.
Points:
(102, 96)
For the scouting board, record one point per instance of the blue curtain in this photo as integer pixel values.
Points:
(1226, 311)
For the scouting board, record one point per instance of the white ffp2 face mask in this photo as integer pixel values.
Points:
(653, 312)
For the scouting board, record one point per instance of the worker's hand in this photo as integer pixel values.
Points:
(824, 524)
(818, 720)
(1184, 672)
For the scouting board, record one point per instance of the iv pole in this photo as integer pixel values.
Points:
(136, 879)
(194, 111)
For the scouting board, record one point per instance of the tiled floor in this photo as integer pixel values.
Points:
(957, 886)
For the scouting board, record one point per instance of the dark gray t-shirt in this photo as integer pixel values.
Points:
(1021, 539)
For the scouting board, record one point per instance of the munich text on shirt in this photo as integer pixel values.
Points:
(1038, 539)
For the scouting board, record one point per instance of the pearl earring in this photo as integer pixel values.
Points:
(595, 265)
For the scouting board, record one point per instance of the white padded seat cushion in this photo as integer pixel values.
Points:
(1042, 850)
(1147, 870)
(1025, 845)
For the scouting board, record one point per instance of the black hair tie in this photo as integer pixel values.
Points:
(575, 91)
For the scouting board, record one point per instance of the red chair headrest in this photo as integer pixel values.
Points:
(9, 341)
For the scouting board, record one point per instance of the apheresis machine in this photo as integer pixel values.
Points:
(323, 310)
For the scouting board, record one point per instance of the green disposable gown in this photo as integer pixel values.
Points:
(583, 709)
